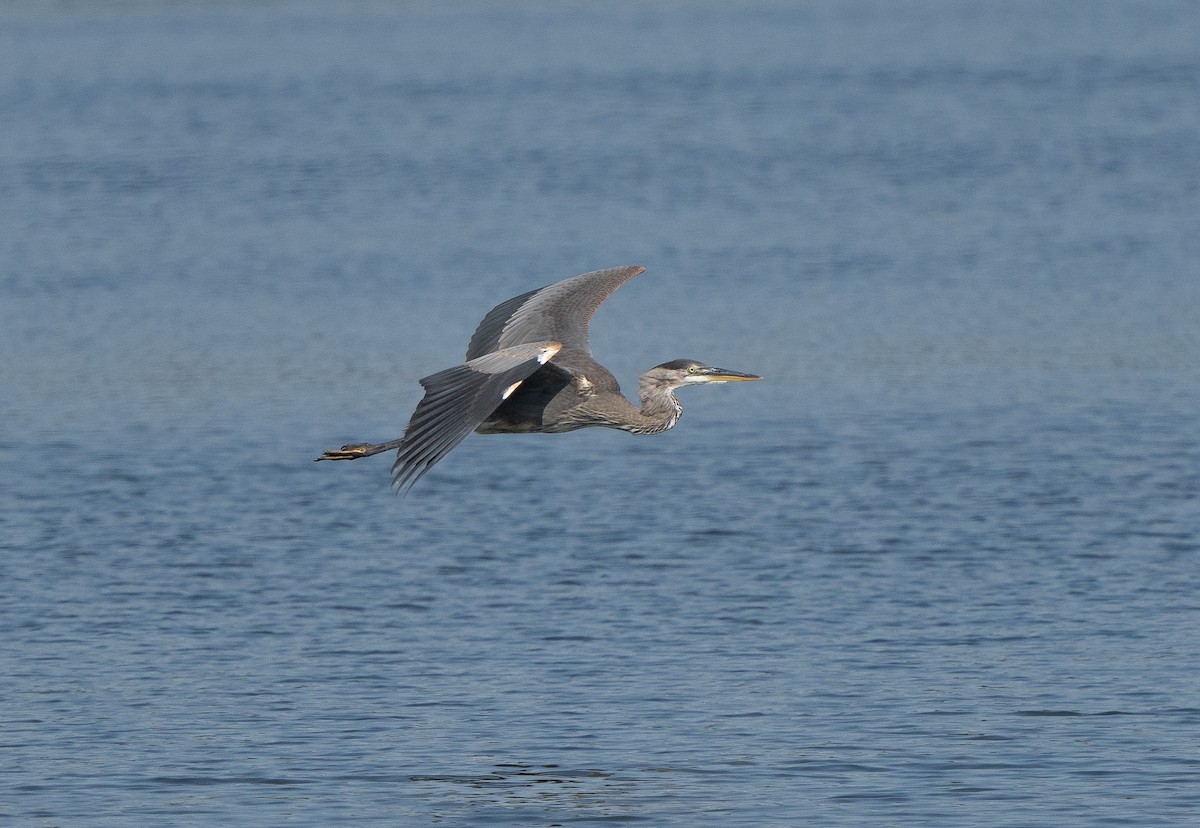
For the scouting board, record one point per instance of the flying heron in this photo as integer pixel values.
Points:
(529, 368)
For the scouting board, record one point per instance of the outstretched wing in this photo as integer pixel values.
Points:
(457, 400)
(559, 313)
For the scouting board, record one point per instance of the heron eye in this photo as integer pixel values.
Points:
(691, 369)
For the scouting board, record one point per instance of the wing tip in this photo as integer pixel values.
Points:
(623, 271)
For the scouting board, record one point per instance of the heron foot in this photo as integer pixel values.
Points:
(350, 452)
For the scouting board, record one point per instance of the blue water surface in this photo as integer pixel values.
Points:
(939, 569)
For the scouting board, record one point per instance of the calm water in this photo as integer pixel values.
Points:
(940, 569)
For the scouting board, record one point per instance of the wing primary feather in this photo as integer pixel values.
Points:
(560, 312)
(457, 400)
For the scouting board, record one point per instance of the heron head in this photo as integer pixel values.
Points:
(679, 373)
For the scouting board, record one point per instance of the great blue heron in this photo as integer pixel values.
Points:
(529, 368)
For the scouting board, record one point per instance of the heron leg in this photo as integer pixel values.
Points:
(357, 450)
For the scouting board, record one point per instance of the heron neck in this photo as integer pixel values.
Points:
(660, 410)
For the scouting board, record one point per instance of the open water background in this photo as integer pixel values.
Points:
(939, 569)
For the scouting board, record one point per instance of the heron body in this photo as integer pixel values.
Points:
(529, 368)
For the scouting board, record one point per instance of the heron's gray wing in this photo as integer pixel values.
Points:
(559, 312)
(457, 400)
